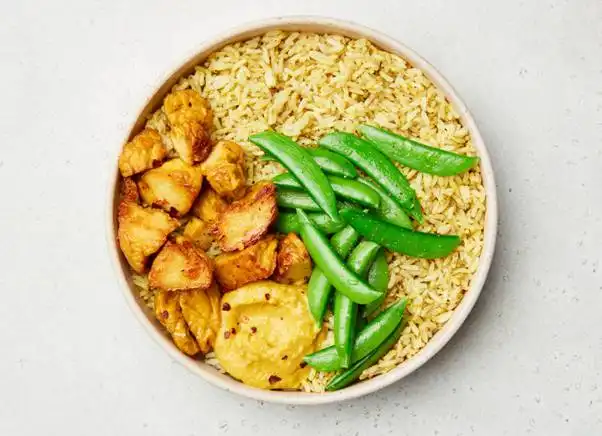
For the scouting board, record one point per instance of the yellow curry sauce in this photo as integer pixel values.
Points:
(266, 330)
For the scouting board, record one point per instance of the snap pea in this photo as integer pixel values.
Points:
(318, 287)
(345, 188)
(415, 155)
(332, 266)
(330, 162)
(345, 316)
(378, 278)
(288, 222)
(368, 339)
(301, 164)
(333, 163)
(376, 165)
(344, 241)
(291, 199)
(345, 310)
(398, 239)
(355, 371)
(388, 208)
(296, 199)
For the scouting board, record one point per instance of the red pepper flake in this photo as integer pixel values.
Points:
(165, 314)
(173, 212)
(253, 330)
(226, 307)
(284, 357)
(267, 296)
(303, 364)
(274, 379)
(226, 334)
(233, 330)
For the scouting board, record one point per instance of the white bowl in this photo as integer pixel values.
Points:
(320, 25)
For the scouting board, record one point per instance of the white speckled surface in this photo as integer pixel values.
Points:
(74, 361)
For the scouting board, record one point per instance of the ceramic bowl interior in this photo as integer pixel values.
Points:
(318, 25)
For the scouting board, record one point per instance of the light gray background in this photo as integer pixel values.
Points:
(74, 361)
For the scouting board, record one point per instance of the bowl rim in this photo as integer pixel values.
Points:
(318, 24)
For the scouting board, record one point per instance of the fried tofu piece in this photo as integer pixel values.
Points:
(199, 232)
(293, 264)
(225, 170)
(209, 205)
(257, 262)
(245, 221)
(143, 152)
(169, 313)
(207, 209)
(201, 310)
(173, 186)
(180, 265)
(190, 120)
(191, 141)
(142, 231)
(185, 105)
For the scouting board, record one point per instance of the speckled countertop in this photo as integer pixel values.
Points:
(75, 362)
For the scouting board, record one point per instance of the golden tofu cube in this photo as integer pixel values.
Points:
(209, 205)
(190, 120)
(225, 170)
(142, 231)
(257, 262)
(173, 186)
(245, 221)
(293, 264)
(143, 152)
(180, 265)
(201, 310)
(169, 313)
(199, 232)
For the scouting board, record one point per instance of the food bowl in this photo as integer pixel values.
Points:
(207, 372)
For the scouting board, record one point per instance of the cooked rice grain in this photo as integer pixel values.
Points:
(307, 85)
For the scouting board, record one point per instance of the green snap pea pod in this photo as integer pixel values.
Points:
(415, 155)
(345, 188)
(345, 316)
(301, 164)
(376, 165)
(344, 241)
(289, 223)
(331, 163)
(318, 287)
(355, 371)
(378, 278)
(345, 310)
(388, 208)
(291, 199)
(337, 273)
(296, 199)
(398, 239)
(368, 339)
